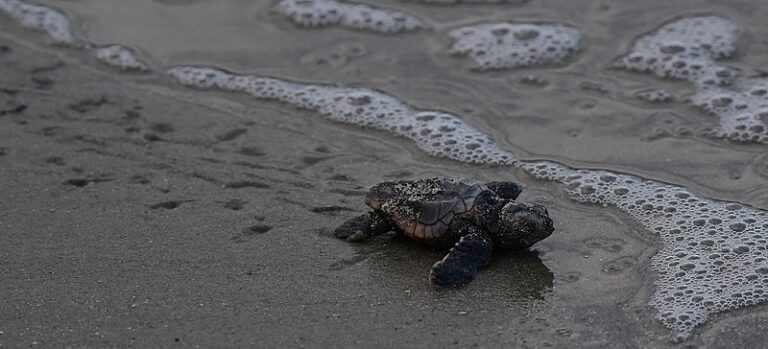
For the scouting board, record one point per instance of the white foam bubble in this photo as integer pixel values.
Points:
(43, 18)
(317, 13)
(450, 2)
(508, 45)
(742, 109)
(121, 57)
(714, 254)
(686, 49)
(654, 95)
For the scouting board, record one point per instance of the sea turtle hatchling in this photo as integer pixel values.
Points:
(475, 218)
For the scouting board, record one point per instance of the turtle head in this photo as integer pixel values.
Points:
(379, 194)
(505, 190)
(522, 225)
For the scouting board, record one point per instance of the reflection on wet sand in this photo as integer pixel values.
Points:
(397, 262)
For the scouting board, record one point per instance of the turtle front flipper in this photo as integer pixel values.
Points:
(460, 265)
(505, 190)
(365, 226)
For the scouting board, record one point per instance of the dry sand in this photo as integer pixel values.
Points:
(136, 215)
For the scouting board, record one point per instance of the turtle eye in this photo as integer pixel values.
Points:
(508, 212)
(512, 207)
(538, 209)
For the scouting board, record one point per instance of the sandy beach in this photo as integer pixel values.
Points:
(138, 213)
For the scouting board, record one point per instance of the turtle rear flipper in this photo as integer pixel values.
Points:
(364, 226)
(460, 265)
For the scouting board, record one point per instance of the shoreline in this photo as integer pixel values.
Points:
(140, 208)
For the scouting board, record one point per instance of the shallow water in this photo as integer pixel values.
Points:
(581, 112)
(587, 113)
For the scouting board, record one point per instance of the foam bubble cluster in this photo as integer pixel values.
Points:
(57, 26)
(438, 133)
(742, 109)
(46, 19)
(714, 254)
(508, 45)
(686, 49)
(654, 95)
(317, 13)
(121, 57)
(447, 2)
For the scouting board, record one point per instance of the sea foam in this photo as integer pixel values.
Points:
(119, 56)
(742, 109)
(689, 49)
(42, 18)
(450, 2)
(58, 28)
(509, 45)
(686, 49)
(318, 13)
(714, 253)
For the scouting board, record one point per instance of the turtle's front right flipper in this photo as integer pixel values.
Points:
(365, 226)
(463, 261)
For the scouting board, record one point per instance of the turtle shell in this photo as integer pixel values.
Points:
(424, 208)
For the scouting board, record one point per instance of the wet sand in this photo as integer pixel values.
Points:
(134, 215)
(137, 214)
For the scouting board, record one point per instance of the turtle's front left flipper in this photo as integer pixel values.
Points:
(460, 265)
(365, 226)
